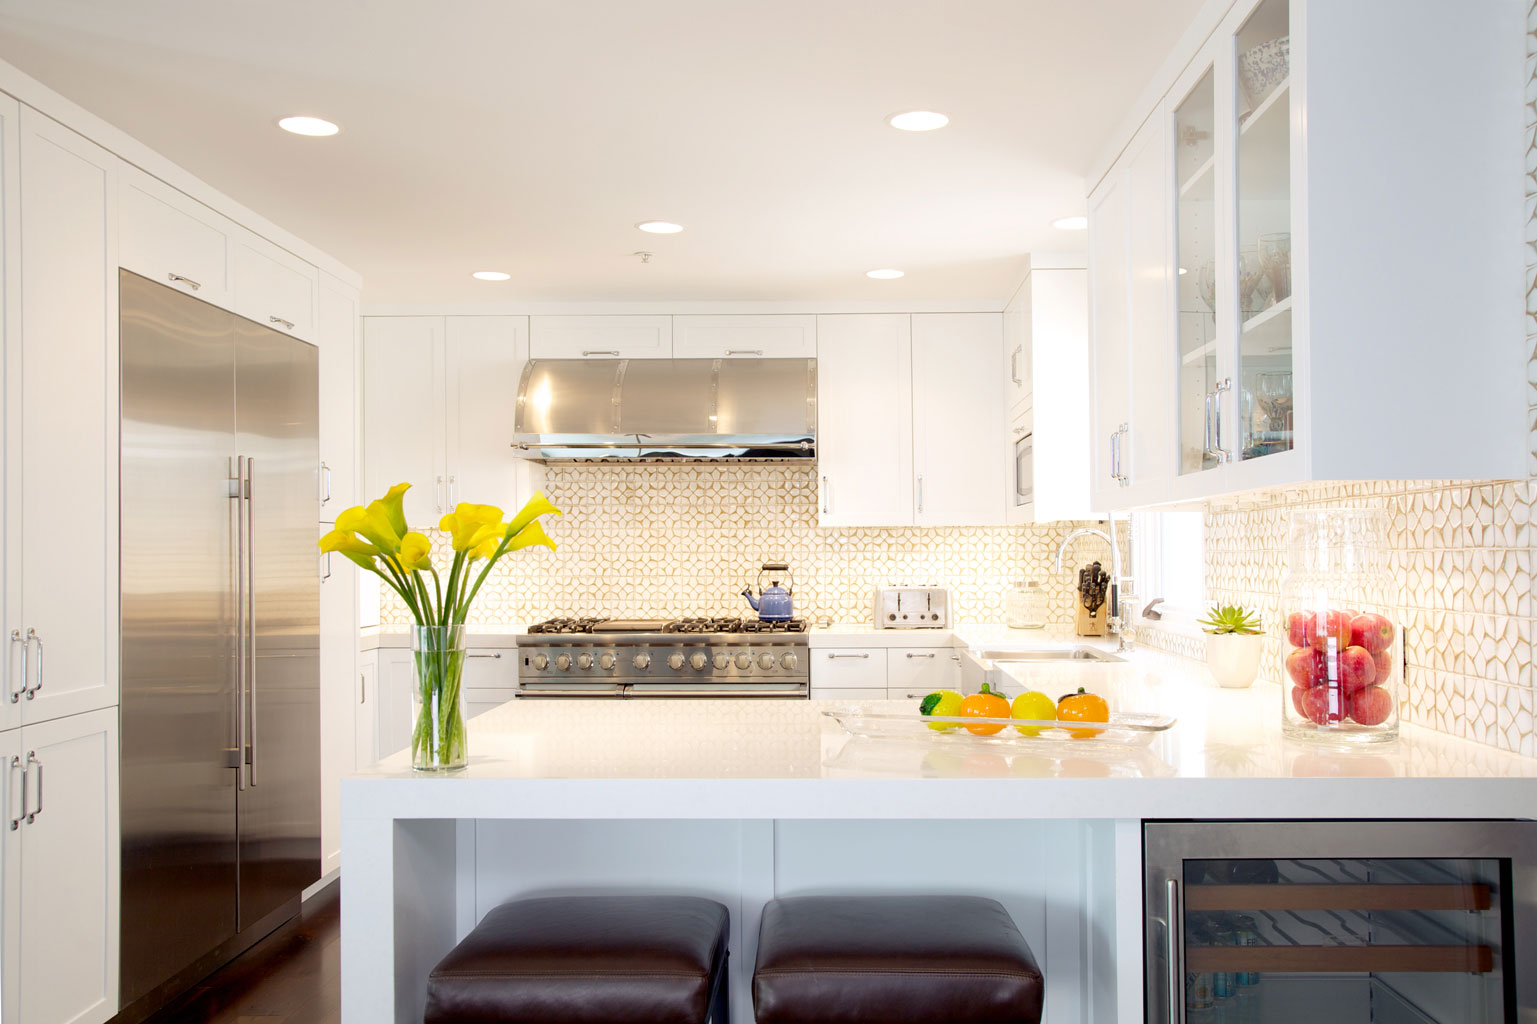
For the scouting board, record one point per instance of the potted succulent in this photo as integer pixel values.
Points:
(1233, 645)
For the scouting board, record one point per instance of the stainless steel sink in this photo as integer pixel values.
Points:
(1050, 656)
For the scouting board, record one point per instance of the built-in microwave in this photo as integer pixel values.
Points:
(1024, 466)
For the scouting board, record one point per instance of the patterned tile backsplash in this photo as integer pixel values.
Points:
(685, 540)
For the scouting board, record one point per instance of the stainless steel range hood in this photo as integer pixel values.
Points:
(667, 409)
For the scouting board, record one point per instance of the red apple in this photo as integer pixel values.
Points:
(1323, 705)
(1307, 667)
(1372, 631)
(1326, 626)
(1297, 628)
(1383, 661)
(1298, 692)
(1357, 670)
(1371, 706)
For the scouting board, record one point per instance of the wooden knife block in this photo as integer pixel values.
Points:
(1090, 624)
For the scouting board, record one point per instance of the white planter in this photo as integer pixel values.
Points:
(1234, 658)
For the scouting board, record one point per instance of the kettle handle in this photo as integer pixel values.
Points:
(783, 567)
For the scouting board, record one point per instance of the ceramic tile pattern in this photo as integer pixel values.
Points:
(685, 540)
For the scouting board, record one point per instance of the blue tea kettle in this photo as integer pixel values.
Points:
(774, 603)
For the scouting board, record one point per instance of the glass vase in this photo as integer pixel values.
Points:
(437, 738)
(1342, 663)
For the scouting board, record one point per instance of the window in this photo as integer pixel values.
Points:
(1168, 552)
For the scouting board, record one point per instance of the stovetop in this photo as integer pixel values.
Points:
(569, 626)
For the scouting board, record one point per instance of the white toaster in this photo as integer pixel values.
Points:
(912, 607)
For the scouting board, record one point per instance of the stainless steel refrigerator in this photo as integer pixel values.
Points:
(220, 636)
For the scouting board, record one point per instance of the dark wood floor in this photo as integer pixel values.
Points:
(293, 976)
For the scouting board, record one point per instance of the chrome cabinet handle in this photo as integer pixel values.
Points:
(178, 279)
(250, 599)
(26, 648)
(237, 493)
(438, 492)
(16, 763)
(1206, 443)
(601, 352)
(497, 656)
(831, 656)
(910, 654)
(1123, 432)
(1224, 385)
(1174, 961)
(326, 567)
(38, 807)
(451, 489)
(288, 324)
(1115, 455)
(362, 689)
(824, 494)
(744, 351)
(1019, 431)
(1014, 364)
(37, 684)
(325, 480)
(920, 493)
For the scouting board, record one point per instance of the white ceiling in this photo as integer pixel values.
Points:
(529, 135)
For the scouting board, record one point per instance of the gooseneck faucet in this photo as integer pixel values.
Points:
(1113, 621)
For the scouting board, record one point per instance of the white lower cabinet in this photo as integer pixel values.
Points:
(60, 850)
(340, 694)
(845, 668)
(365, 722)
(916, 671)
(385, 690)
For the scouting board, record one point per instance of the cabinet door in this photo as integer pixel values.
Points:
(846, 667)
(403, 416)
(338, 694)
(1019, 457)
(1059, 406)
(395, 709)
(66, 447)
(489, 669)
(916, 671)
(1109, 326)
(1017, 383)
(600, 337)
(366, 712)
(864, 420)
(485, 360)
(69, 871)
(1147, 462)
(273, 287)
(957, 420)
(173, 239)
(11, 757)
(337, 332)
(12, 679)
(744, 337)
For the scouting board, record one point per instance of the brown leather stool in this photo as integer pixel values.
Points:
(635, 959)
(894, 959)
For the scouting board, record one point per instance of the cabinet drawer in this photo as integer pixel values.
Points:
(600, 337)
(274, 288)
(173, 239)
(744, 337)
(490, 669)
(922, 670)
(849, 667)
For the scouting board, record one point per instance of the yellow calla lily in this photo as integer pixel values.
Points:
(393, 504)
(346, 543)
(470, 525)
(372, 524)
(487, 548)
(530, 535)
(537, 506)
(415, 552)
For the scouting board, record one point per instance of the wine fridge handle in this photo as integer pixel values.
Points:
(1176, 953)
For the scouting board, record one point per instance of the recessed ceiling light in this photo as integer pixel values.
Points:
(317, 126)
(1071, 224)
(885, 274)
(918, 120)
(660, 227)
(491, 275)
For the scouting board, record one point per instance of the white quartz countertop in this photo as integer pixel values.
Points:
(1225, 757)
(836, 635)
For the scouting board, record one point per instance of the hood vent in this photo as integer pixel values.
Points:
(667, 410)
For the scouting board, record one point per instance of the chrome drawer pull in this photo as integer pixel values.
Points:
(744, 351)
(848, 656)
(178, 279)
(289, 324)
(497, 656)
(910, 654)
(601, 352)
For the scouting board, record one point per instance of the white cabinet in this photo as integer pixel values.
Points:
(173, 239)
(340, 693)
(61, 870)
(366, 712)
(1017, 383)
(864, 420)
(601, 337)
(337, 333)
(917, 671)
(744, 337)
(957, 420)
(61, 419)
(439, 396)
(844, 668)
(273, 287)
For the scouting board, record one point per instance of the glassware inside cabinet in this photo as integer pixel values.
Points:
(1263, 244)
(1196, 282)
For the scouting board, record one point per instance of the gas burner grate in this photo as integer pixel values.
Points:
(706, 624)
(567, 625)
(762, 626)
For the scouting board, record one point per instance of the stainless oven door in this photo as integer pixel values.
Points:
(1338, 922)
(1024, 469)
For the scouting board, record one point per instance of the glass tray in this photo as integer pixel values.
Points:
(1126, 728)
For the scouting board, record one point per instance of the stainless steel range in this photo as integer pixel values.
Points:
(677, 658)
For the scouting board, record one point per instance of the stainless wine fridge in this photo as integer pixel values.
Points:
(1341, 922)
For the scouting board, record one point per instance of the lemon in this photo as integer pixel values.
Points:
(1032, 704)
(945, 704)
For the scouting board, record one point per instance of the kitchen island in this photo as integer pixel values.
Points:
(745, 800)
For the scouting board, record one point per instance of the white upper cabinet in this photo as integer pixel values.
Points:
(865, 420)
(337, 334)
(601, 337)
(1109, 334)
(62, 420)
(173, 239)
(1017, 385)
(958, 426)
(485, 359)
(744, 337)
(273, 287)
(403, 413)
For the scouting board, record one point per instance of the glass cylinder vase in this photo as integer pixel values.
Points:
(1343, 667)
(437, 738)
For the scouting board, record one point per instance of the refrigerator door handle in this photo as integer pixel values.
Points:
(250, 615)
(237, 492)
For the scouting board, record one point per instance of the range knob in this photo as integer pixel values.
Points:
(541, 662)
(789, 661)
(744, 660)
(722, 660)
(562, 661)
(765, 660)
(642, 660)
(605, 662)
(698, 660)
(675, 660)
(584, 661)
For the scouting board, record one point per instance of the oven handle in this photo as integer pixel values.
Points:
(536, 694)
(716, 694)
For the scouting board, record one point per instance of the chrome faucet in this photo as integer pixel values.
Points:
(1114, 621)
